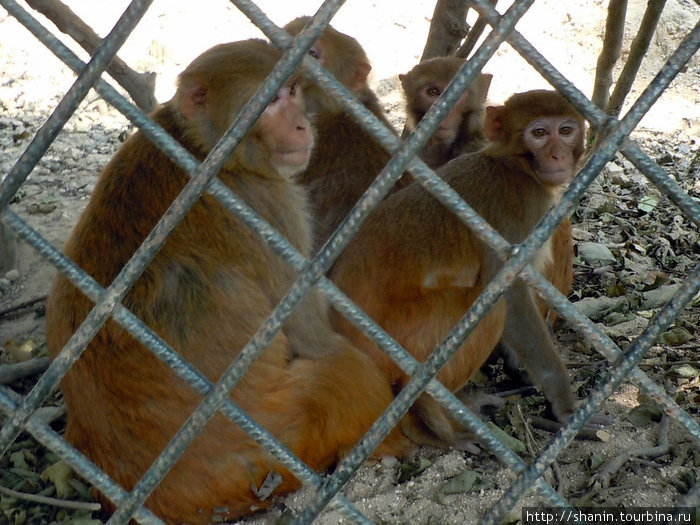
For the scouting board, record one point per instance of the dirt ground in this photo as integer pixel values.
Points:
(649, 240)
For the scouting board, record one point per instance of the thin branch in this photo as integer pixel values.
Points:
(612, 44)
(586, 433)
(638, 49)
(531, 444)
(10, 373)
(19, 308)
(603, 478)
(141, 86)
(473, 35)
(55, 502)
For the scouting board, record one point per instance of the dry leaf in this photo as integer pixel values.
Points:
(462, 483)
(59, 474)
(514, 444)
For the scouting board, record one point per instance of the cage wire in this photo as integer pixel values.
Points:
(19, 410)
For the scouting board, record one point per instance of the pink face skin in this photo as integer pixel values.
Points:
(552, 141)
(286, 131)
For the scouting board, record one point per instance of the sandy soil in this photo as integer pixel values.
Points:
(569, 33)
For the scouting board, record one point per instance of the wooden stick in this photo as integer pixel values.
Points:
(55, 502)
(10, 373)
(16, 309)
(586, 433)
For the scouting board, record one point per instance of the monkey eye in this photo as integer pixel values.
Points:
(566, 130)
(293, 89)
(539, 132)
(314, 53)
(433, 91)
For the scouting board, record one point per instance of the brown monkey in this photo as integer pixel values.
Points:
(346, 158)
(560, 270)
(461, 130)
(206, 292)
(416, 268)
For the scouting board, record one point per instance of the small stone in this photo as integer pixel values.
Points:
(684, 149)
(593, 252)
(12, 275)
(613, 168)
(5, 284)
(389, 461)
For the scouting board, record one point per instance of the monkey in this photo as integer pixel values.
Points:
(205, 293)
(560, 269)
(415, 268)
(346, 158)
(461, 130)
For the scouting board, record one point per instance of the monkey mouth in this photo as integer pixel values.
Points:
(291, 153)
(554, 176)
(292, 157)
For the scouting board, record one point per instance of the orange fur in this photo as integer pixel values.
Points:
(416, 268)
(467, 123)
(346, 159)
(206, 292)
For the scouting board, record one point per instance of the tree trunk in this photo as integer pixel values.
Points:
(614, 30)
(447, 29)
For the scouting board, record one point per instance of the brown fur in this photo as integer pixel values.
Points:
(346, 158)
(206, 292)
(468, 116)
(416, 268)
(461, 130)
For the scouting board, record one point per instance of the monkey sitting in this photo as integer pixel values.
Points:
(206, 292)
(415, 268)
(461, 130)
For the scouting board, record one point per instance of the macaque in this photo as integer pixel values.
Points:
(461, 130)
(560, 270)
(206, 293)
(346, 158)
(415, 268)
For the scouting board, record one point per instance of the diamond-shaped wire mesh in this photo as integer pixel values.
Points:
(18, 409)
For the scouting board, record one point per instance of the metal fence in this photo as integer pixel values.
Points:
(19, 410)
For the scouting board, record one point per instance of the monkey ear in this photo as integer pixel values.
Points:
(191, 97)
(493, 122)
(360, 75)
(486, 79)
(403, 78)
(480, 89)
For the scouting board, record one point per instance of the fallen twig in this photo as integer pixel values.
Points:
(10, 373)
(602, 479)
(18, 308)
(560, 486)
(531, 444)
(522, 390)
(55, 502)
(583, 365)
(586, 433)
(48, 415)
(674, 363)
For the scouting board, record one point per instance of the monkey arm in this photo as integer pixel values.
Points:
(526, 335)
